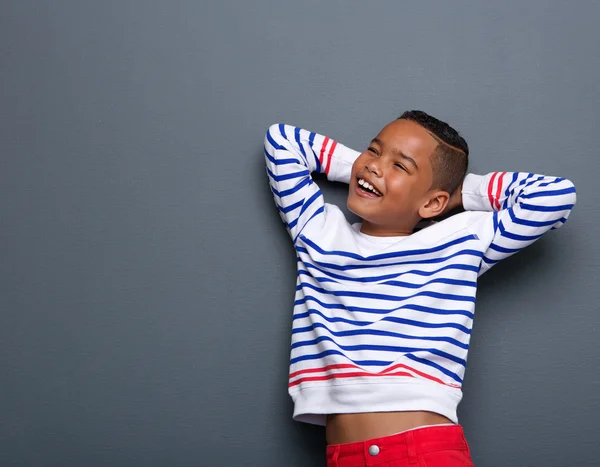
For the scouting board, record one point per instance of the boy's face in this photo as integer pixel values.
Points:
(397, 165)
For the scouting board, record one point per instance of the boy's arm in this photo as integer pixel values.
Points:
(291, 155)
(525, 207)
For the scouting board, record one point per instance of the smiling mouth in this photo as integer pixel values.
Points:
(366, 187)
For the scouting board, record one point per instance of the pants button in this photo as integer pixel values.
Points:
(374, 450)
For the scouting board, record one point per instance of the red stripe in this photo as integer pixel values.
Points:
(420, 373)
(319, 370)
(385, 372)
(491, 188)
(329, 156)
(344, 375)
(325, 141)
(499, 190)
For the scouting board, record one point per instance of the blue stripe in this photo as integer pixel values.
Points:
(311, 142)
(313, 311)
(527, 181)
(515, 176)
(540, 178)
(487, 260)
(311, 200)
(538, 185)
(281, 161)
(495, 220)
(392, 298)
(377, 363)
(381, 348)
(556, 180)
(539, 194)
(417, 272)
(421, 324)
(436, 311)
(501, 249)
(532, 207)
(274, 191)
(320, 355)
(528, 223)
(273, 142)
(379, 311)
(282, 130)
(316, 213)
(297, 188)
(297, 135)
(410, 285)
(452, 375)
(522, 238)
(377, 332)
(319, 279)
(348, 267)
(397, 254)
(291, 207)
(288, 176)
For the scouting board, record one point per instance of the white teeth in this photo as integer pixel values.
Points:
(367, 185)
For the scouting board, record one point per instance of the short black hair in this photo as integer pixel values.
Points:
(450, 159)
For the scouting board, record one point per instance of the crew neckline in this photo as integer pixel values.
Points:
(376, 239)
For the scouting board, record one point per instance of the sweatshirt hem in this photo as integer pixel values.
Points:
(313, 404)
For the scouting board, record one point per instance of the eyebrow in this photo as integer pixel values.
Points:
(398, 153)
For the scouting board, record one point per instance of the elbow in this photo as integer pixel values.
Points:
(274, 129)
(571, 195)
(569, 198)
(273, 142)
(274, 133)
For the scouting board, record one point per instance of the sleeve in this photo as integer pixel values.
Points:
(525, 206)
(291, 155)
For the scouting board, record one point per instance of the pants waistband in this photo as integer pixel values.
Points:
(408, 444)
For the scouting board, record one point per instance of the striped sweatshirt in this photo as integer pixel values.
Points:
(383, 323)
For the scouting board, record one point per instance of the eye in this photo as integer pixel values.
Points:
(401, 166)
(373, 150)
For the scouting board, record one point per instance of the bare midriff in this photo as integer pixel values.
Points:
(353, 427)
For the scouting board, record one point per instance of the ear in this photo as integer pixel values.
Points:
(435, 204)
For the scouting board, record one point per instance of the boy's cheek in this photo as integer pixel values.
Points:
(357, 163)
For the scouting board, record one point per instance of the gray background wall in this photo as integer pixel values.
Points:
(146, 282)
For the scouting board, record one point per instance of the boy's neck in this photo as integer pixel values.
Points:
(375, 230)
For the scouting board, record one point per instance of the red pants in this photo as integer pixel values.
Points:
(437, 446)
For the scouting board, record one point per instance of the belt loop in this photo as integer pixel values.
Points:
(411, 448)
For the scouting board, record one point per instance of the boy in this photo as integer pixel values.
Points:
(383, 314)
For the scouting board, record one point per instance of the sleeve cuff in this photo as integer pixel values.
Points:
(474, 197)
(342, 161)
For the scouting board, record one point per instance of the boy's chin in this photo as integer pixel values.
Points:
(360, 210)
(371, 215)
(355, 208)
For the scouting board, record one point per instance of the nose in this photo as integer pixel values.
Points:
(374, 167)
